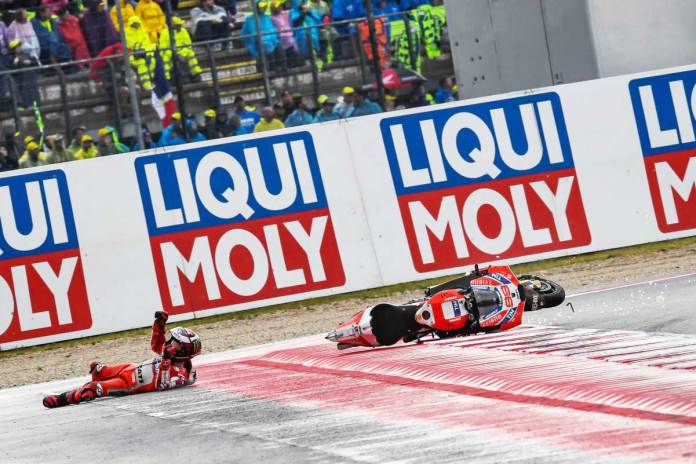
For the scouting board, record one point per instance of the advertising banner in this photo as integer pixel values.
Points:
(238, 222)
(97, 246)
(485, 182)
(664, 108)
(42, 285)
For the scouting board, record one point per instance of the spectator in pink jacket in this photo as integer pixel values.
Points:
(22, 29)
(55, 5)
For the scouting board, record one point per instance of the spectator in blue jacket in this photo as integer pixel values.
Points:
(347, 9)
(326, 113)
(304, 14)
(53, 47)
(300, 116)
(194, 134)
(147, 141)
(444, 92)
(362, 106)
(270, 39)
(248, 118)
(382, 7)
(173, 134)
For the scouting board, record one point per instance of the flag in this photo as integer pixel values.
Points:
(162, 98)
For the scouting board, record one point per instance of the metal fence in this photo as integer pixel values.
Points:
(342, 44)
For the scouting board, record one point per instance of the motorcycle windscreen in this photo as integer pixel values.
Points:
(487, 301)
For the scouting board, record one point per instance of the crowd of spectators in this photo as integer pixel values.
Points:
(28, 150)
(57, 31)
(35, 32)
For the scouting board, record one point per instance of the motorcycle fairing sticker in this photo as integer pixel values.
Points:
(238, 221)
(485, 181)
(42, 284)
(663, 107)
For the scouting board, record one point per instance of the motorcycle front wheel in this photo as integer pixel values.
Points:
(541, 293)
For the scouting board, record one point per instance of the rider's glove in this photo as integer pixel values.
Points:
(161, 318)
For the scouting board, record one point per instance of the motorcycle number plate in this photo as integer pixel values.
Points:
(453, 309)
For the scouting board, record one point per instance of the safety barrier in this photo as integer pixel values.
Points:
(96, 246)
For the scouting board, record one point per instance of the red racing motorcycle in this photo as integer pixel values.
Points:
(488, 300)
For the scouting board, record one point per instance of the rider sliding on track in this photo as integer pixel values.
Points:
(172, 368)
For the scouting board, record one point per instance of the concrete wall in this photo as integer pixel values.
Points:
(508, 45)
(639, 35)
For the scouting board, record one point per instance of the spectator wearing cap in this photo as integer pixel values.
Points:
(126, 12)
(58, 152)
(87, 150)
(362, 106)
(21, 29)
(69, 27)
(184, 50)
(210, 128)
(152, 16)
(34, 157)
(108, 142)
(27, 82)
(148, 141)
(300, 116)
(345, 102)
(268, 122)
(444, 92)
(326, 112)
(97, 27)
(247, 116)
(53, 47)
(173, 132)
(270, 39)
(76, 140)
(209, 21)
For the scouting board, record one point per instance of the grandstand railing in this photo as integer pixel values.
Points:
(354, 55)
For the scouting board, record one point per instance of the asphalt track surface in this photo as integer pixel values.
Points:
(614, 381)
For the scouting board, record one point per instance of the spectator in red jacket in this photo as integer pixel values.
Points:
(69, 27)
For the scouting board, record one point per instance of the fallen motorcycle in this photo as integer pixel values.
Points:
(484, 300)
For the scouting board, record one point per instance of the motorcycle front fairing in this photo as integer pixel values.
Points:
(499, 299)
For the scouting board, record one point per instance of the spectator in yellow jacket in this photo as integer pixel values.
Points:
(33, 157)
(153, 18)
(88, 149)
(143, 57)
(268, 121)
(126, 11)
(182, 40)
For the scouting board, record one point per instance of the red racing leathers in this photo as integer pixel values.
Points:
(159, 373)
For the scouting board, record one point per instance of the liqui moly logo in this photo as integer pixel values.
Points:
(42, 286)
(238, 222)
(665, 109)
(486, 181)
